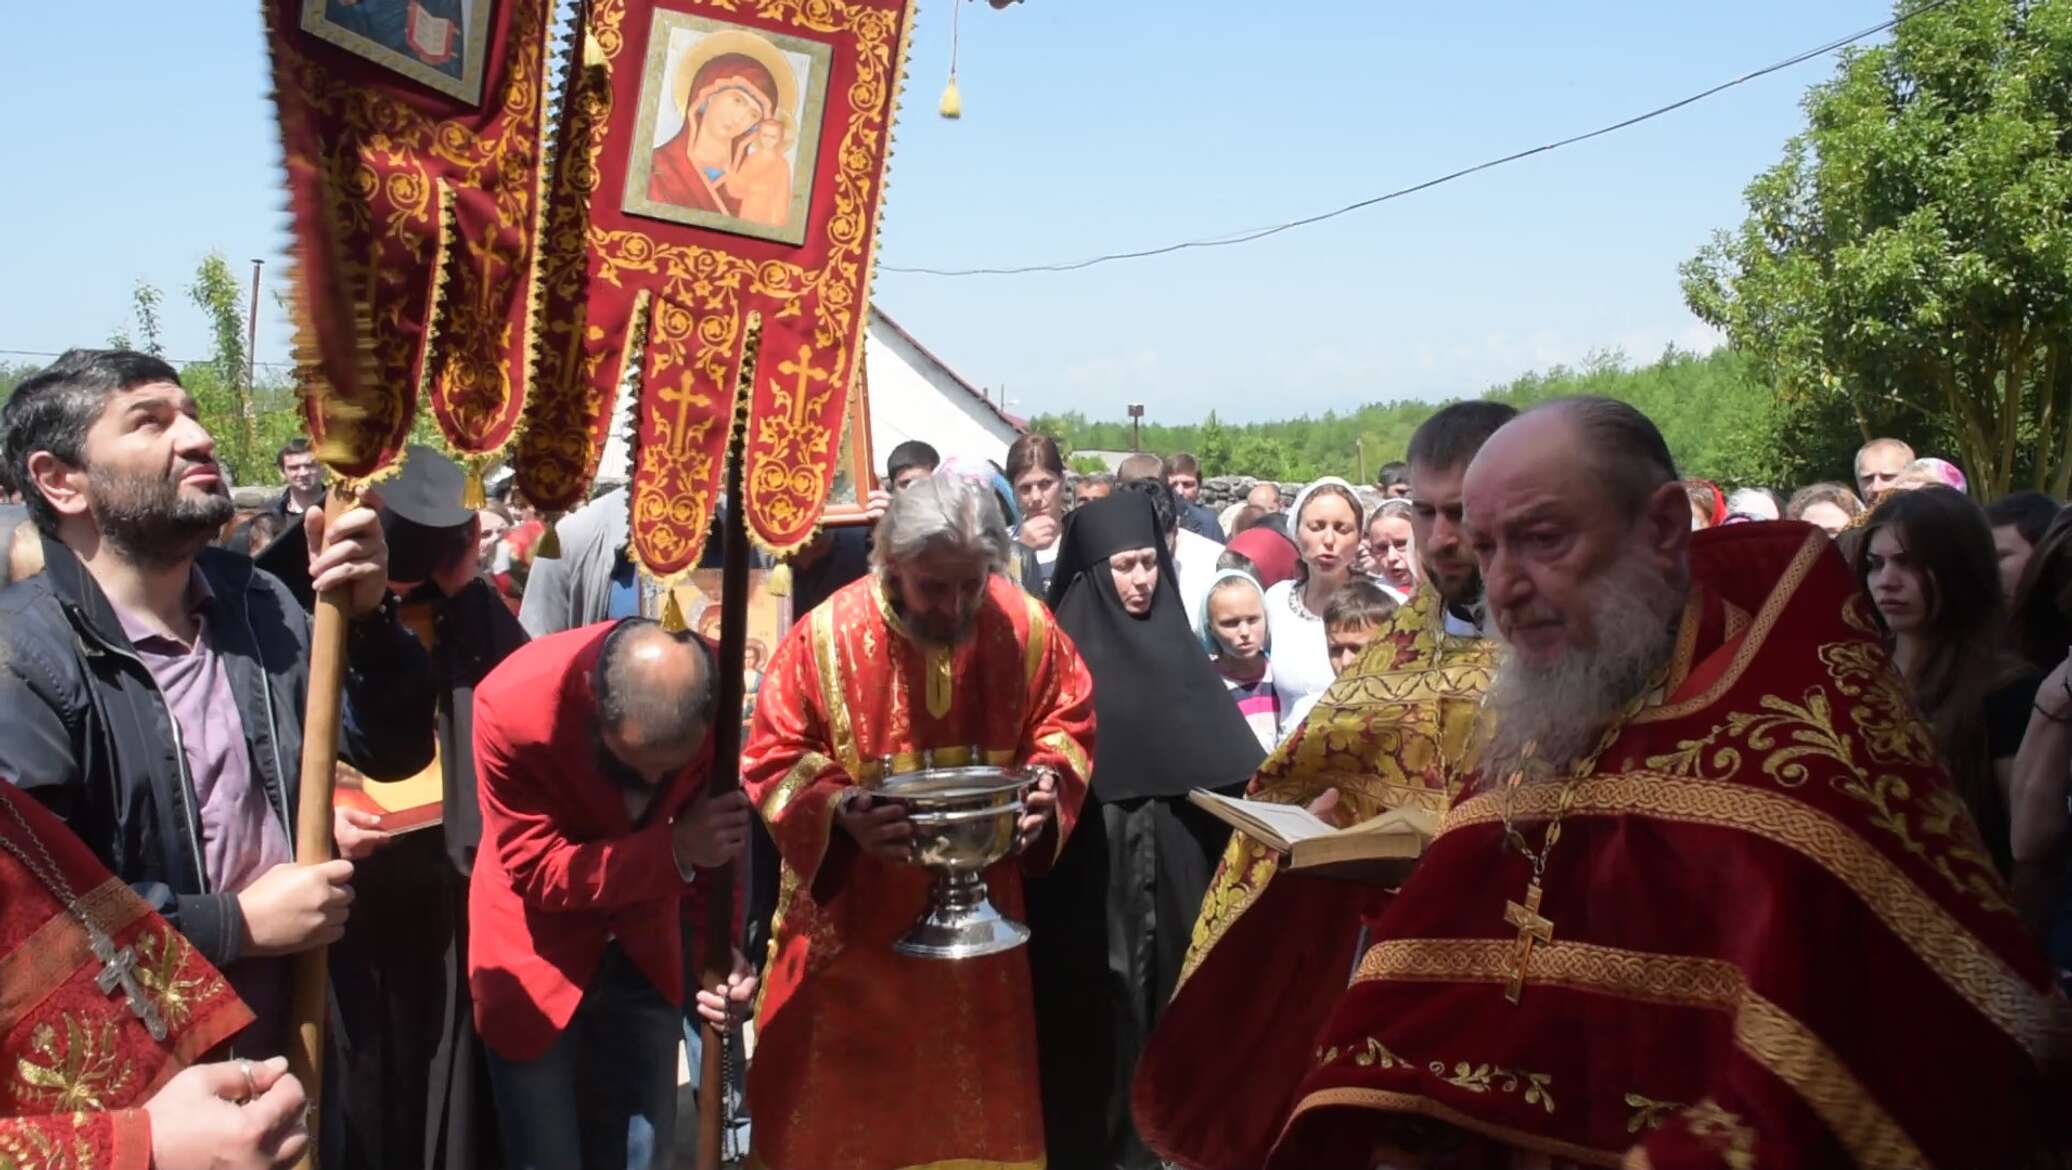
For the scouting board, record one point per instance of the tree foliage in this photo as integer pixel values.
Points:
(1907, 267)
(1713, 409)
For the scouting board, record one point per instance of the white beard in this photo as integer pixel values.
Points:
(1562, 710)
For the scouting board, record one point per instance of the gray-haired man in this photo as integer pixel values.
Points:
(933, 655)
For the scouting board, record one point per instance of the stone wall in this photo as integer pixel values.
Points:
(1220, 491)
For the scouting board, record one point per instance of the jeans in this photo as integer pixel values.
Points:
(604, 1096)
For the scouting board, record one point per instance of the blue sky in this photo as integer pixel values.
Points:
(1089, 126)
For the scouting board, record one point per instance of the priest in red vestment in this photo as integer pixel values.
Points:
(102, 1007)
(1709, 899)
(867, 1059)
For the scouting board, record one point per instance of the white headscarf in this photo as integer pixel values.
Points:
(1208, 635)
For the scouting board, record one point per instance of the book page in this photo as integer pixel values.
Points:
(1287, 822)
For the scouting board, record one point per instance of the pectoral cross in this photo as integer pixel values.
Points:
(119, 971)
(1531, 929)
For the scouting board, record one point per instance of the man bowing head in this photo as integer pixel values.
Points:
(1706, 880)
(592, 749)
(934, 654)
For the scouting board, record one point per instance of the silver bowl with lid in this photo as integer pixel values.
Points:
(964, 820)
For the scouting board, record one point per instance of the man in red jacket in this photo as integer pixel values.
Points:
(592, 752)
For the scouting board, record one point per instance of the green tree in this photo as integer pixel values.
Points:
(144, 302)
(216, 292)
(1212, 446)
(1908, 265)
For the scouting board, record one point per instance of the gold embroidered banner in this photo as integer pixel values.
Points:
(714, 200)
(412, 131)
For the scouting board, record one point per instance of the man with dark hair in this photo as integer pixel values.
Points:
(304, 476)
(593, 748)
(908, 462)
(1183, 475)
(1394, 480)
(1636, 719)
(2019, 521)
(153, 687)
(1392, 732)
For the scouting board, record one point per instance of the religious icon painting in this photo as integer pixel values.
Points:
(440, 44)
(729, 128)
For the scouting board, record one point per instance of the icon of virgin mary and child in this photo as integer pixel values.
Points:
(737, 94)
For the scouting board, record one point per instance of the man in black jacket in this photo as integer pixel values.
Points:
(152, 688)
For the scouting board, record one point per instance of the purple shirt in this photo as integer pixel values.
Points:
(241, 837)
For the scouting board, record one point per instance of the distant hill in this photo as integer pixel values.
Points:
(1712, 410)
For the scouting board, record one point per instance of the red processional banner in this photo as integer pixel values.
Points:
(712, 216)
(412, 131)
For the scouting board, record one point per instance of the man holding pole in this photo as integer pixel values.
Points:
(152, 688)
(593, 752)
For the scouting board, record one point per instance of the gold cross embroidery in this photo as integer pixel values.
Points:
(803, 369)
(1531, 929)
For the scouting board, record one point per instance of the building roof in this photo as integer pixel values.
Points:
(1020, 425)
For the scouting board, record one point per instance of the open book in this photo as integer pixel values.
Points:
(1380, 851)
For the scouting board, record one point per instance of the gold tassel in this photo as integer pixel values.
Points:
(548, 547)
(472, 497)
(672, 615)
(778, 583)
(952, 107)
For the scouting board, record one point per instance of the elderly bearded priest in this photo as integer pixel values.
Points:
(868, 1060)
(1709, 899)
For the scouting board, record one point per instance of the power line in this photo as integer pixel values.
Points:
(46, 353)
(1230, 239)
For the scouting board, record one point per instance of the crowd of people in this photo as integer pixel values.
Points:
(1866, 714)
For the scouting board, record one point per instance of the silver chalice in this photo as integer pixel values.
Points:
(964, 820)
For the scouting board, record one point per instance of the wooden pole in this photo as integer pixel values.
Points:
(717, 945)
(313, 843)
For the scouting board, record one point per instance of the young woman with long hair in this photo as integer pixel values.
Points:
(1930, 569)
(1036, 470)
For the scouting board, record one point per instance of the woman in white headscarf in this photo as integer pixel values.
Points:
(1325, 526)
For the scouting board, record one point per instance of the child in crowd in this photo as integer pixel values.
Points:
(1233, 630)
(1355, 611)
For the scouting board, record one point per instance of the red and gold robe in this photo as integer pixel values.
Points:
(866, 1059)
(1771, 935)
(75, 1062)
(1272, 951)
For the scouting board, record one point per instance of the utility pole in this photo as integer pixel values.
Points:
(1136, 426)
(252, 359)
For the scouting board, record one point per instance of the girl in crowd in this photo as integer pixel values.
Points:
(1325, 525)
(1113, 918)
(1929, 568)
(1233, 631)
(1036, 471)
(1391, 551)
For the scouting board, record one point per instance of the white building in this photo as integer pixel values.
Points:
(913, 393)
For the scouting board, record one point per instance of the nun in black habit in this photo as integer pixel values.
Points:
(1112, 920)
